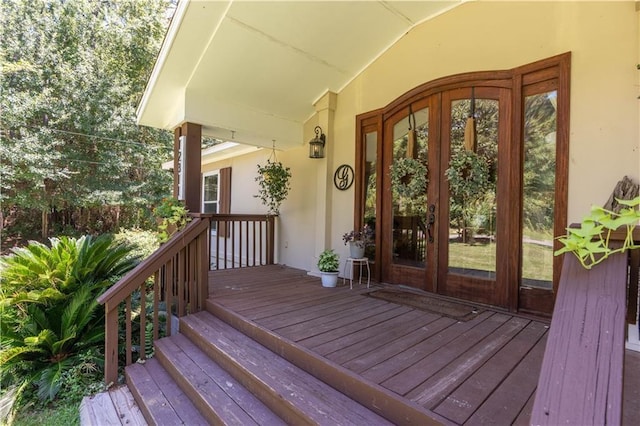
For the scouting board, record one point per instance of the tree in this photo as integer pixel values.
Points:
(73, 74)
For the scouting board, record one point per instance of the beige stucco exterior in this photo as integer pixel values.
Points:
(604, 43)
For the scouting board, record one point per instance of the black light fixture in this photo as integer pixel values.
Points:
(316, 145)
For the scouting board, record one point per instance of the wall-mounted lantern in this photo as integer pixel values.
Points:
(316, 145)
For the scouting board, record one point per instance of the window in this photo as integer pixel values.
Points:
(211, 192)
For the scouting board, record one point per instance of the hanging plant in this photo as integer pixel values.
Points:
(408, 177)
(273, 180)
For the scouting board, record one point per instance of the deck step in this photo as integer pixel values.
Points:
(295, 395)
(362, 391)
(159, 398)
(221, 398)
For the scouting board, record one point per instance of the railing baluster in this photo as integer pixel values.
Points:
(182, 276)
(127, 338)
(168, 290)
(203, 272)
(156, 304)
(180, 271)
(143, 320)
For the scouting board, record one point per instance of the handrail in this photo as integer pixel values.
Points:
(179, 269)
(582, 369)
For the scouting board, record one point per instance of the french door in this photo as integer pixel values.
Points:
(464, 180)
(444, 192)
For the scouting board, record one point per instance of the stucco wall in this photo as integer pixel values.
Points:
(477, 36)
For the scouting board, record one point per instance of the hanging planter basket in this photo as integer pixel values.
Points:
(273, 181)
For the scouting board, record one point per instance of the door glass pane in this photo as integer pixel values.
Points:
(539, 180)
(408, 173)
(370, 190)
(472, 175)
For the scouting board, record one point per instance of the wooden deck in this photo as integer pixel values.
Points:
(483, 368)
(476, 371)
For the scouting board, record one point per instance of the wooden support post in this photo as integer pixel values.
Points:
(192, 158)
(111, 344)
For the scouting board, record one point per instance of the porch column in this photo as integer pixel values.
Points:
(325, 107)
(188, 163)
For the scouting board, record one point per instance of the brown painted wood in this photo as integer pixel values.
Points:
(389, 352)
(215, 392)
(505, 404)
(294, 394)
(421, 370)
(438, 386)
(632, 292)
(192, 156)
(364, 339)
(460, 404)
(180, 402)
(508, 401)
(547, 74)
(354, 325)
(374, 397)
(151, 399)
(581, 377)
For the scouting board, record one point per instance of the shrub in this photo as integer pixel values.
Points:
(50, 320)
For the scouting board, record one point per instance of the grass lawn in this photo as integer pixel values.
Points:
(60, 413)
(537, 259)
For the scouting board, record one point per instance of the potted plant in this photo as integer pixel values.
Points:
(171, 216)
(358, 241)
(328, 264)
(273, 180)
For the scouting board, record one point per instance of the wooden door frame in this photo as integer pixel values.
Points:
(556, 68)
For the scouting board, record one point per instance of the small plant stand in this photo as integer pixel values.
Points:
(360, 262)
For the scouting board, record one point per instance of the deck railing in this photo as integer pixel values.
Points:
(172, 282)
(143, 306)
(241, 240)
(582, 371)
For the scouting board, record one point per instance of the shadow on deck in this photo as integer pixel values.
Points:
(399, 361)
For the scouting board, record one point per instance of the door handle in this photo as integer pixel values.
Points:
(430, 221)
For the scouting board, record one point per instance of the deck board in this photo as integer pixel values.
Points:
(404, 349)
(445, 380)
(459, 404)
(484, 370)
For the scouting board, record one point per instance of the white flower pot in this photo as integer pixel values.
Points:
(356, 250)
(329, 279)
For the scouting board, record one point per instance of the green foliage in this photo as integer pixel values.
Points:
(539, 165)
(273, 180)
(590, 242)
(50, 319)
(409, 183)
(142, 242)
(73, 73)
(329, 261)
(470, 188)
(172, 216)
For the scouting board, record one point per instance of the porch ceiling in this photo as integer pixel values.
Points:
(251, 71)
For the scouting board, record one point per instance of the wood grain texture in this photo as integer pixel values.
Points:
(581, 377)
